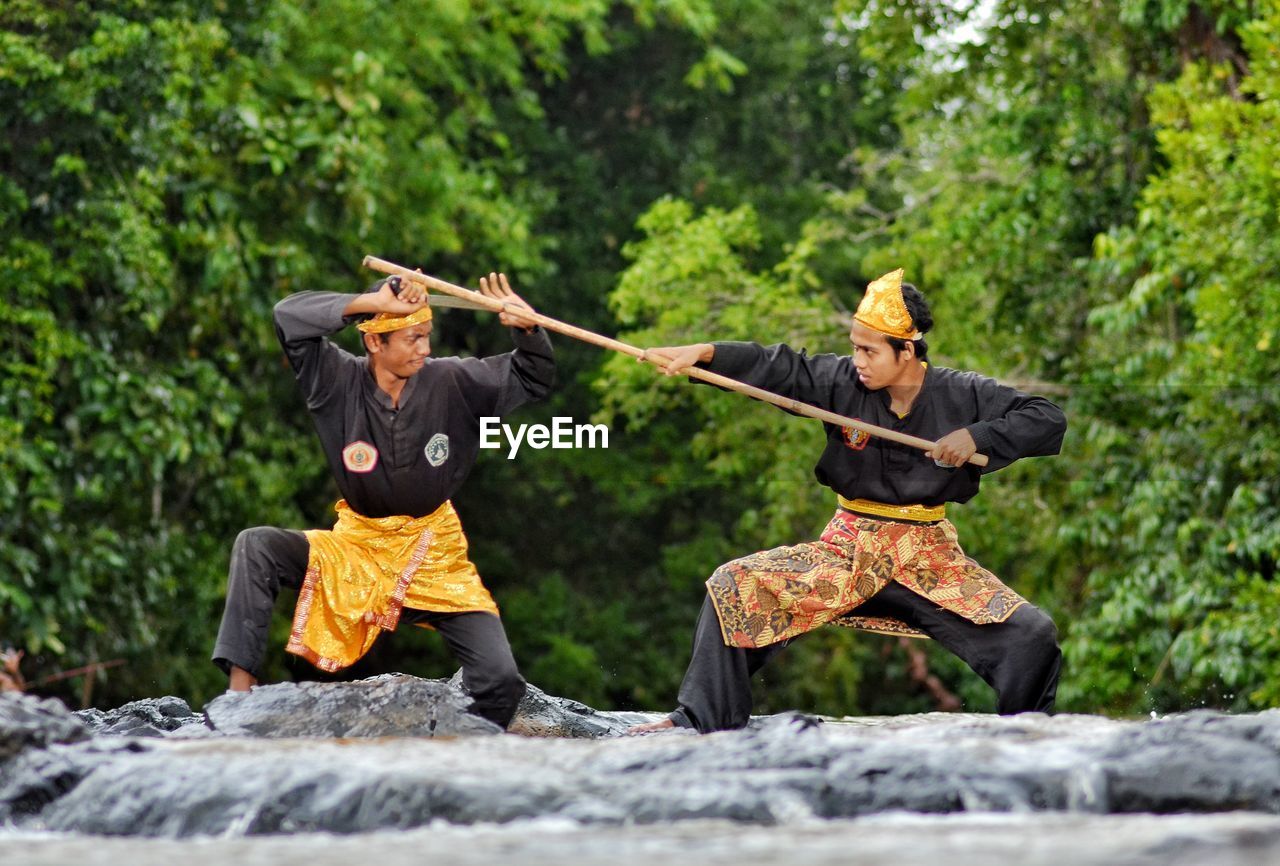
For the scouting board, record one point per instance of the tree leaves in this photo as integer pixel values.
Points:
(1086, 194)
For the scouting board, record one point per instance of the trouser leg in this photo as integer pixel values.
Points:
(715, 694)
(489, 673)
(263, 560)
(1019, 657)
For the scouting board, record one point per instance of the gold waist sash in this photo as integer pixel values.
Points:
(913, 513)
(366, 570)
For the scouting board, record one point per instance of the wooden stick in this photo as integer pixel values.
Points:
(604, 342)
(91, 668)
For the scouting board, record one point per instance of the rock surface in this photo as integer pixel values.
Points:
(153, 717)
(544, 715)
(392, 705)
(27, 722)
(348, 774)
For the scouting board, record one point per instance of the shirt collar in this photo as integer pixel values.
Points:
(887, 401)
(382, 398)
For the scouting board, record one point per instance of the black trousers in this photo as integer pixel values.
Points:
(1019, 658)
(265, 559)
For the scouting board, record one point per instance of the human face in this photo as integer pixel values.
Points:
(878, 365)
(404, 352)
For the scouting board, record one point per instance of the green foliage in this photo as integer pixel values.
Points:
(1026, 152)
(688, 279)
(1086, 194)
(1189, 343)
(170, 170)
(623, 130)
(118, 414)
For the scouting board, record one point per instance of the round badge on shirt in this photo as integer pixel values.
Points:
(360, 456)
(437, 449)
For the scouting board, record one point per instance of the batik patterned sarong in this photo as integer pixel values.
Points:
(778, 594)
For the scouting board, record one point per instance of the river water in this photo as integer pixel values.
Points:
(901, 839)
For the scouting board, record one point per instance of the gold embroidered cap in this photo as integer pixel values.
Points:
(883, 309)
(384, 323)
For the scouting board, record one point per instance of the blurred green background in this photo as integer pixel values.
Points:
(1086, 191)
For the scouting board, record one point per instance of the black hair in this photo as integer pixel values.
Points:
(918, 307)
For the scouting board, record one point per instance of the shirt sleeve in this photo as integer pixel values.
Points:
(304, 322)
(778, 368)
(1014, 424)
(499, 384)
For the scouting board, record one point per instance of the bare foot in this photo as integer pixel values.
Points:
(650, 727)
(241, 680)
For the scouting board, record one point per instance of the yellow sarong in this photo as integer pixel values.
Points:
(364, 571)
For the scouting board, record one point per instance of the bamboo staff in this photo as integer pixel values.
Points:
(482, 301)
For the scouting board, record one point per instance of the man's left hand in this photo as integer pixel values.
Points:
(955, 448)
(496, 286)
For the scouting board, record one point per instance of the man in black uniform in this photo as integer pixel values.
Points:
(889, 560)
(400, 431)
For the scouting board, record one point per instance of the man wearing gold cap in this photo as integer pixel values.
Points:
(889, 560)
(401, 432)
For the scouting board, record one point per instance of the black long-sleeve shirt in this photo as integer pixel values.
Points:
(426, 446)
(1005, 423)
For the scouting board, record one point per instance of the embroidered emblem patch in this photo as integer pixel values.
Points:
(437, 449)
(360, 456)
(856, 439)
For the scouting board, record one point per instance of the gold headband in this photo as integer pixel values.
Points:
(883, 309)
(386, 322)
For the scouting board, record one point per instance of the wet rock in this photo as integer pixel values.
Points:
(785, 770)
(40, 777)
(153, 717)
(1263, 727)
(544, 715)
(239, 786)
(1198, 762)
(393, 705)
(27, 721)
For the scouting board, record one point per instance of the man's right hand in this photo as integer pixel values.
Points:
(412, 297)
(673, 360)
